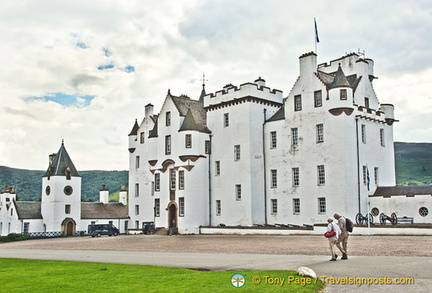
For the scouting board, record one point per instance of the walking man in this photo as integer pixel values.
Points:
(343, 237)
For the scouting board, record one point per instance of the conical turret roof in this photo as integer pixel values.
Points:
(62, 164)
(339, 80)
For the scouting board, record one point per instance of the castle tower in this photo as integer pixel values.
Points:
(61, 194)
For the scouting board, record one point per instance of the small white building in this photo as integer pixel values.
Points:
(60, 211)
(246, 155)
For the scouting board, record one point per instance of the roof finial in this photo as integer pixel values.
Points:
(204, 80)
(62, 142)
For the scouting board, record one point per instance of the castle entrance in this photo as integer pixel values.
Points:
(172, 218)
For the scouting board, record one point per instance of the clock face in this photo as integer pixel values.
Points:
(68, 190)
(48, 190)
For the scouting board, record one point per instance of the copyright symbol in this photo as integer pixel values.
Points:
(256, 280)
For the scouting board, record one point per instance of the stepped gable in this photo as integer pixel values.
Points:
(97, 210)
(28, 209)
(62, 164)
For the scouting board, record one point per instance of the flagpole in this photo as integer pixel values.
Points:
(316, 37)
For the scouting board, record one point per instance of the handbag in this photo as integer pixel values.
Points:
(330, 234)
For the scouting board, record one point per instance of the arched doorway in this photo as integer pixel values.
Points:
(172, 218)
(68, 227)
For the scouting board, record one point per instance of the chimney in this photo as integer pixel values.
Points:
(148, 110)
(260, 82)
(123, 195)
(308, 65)
(103, 194)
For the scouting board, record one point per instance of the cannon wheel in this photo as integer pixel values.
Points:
(393, 218)
(382, 219)
(359, 219)
(370, 218)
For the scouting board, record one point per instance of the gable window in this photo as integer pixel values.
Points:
(296, 206)
(294, 136)
(238, 191)
(226, 119)
(343, 94)
(297, 103)
(168, 118)
(320, 133)
(318, 99)
(367, 103)
(136, 189)
(217, 168)
(181, 179)
(142, 137)
(173, 179)
(321, 205)
(382, 141)
(218, 207)
(67, 209)
(188, 141)
(157, 207)
(295, 176)
(321, 174)
(274, 206)
(168, 145)
(181, 207)
(273, 178)
(157, 182)
(363, 133)
(236, 152)
(273, 141)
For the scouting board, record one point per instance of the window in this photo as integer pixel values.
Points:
(297, 103)
(137, 224)
(168, 118)
(207, 146)
(188, 141)
(68, 190)
(137, 162)
(136, 189)
(365, 175)
(321, 175)
(343, 94)
(295, 176)
(382, 141)
(376, 175)
(273, 141)
(168, 145)
(318, 99)
(226, 120)
(217, 167)
(181, 180)
(218, 208)
(157, 207)
(367, 103)
(375, 212)
(363, 133)
(296, 206)
(274, 206)
(173, 179)
(236, 152)
(238, 191)
(157, 182)
(137, 210)
(273, 178)
(26, 227)
(126, 225)
(142, 137)
(321, 205)
(320, 133)
(294, 136)
(67, 209)
(181, 207)
(423, 211)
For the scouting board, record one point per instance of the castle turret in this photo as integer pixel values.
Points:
(340, 94)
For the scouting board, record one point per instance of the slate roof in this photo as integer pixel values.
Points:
(194, 113)
(338, 79)
(279, 115)
(96, 210)
(28, 209)
(135, 128)
(403, 190)
(61, 164)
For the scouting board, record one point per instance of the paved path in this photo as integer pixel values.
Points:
(419, 268)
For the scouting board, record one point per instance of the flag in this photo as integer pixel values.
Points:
(316, 31)
(368, 178)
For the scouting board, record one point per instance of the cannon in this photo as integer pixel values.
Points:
(360, 219)
(384, 218)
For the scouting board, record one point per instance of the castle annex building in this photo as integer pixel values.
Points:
(248, 155)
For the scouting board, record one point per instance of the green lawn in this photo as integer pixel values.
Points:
(22, 275)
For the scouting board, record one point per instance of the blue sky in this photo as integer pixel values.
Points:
(83, 71)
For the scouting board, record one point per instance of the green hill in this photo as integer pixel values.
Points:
(28, 183)
(413, 163)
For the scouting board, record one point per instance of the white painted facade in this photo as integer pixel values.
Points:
(247, 177)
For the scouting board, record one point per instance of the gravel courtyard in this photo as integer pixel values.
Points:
(254, 244)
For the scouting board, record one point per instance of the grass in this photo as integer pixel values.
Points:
(23, 275)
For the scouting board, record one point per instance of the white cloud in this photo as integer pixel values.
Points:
(54, 46)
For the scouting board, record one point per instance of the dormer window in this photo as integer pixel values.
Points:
(68, 173)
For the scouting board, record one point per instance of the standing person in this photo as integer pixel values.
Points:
(333, 240)
(343, 238)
